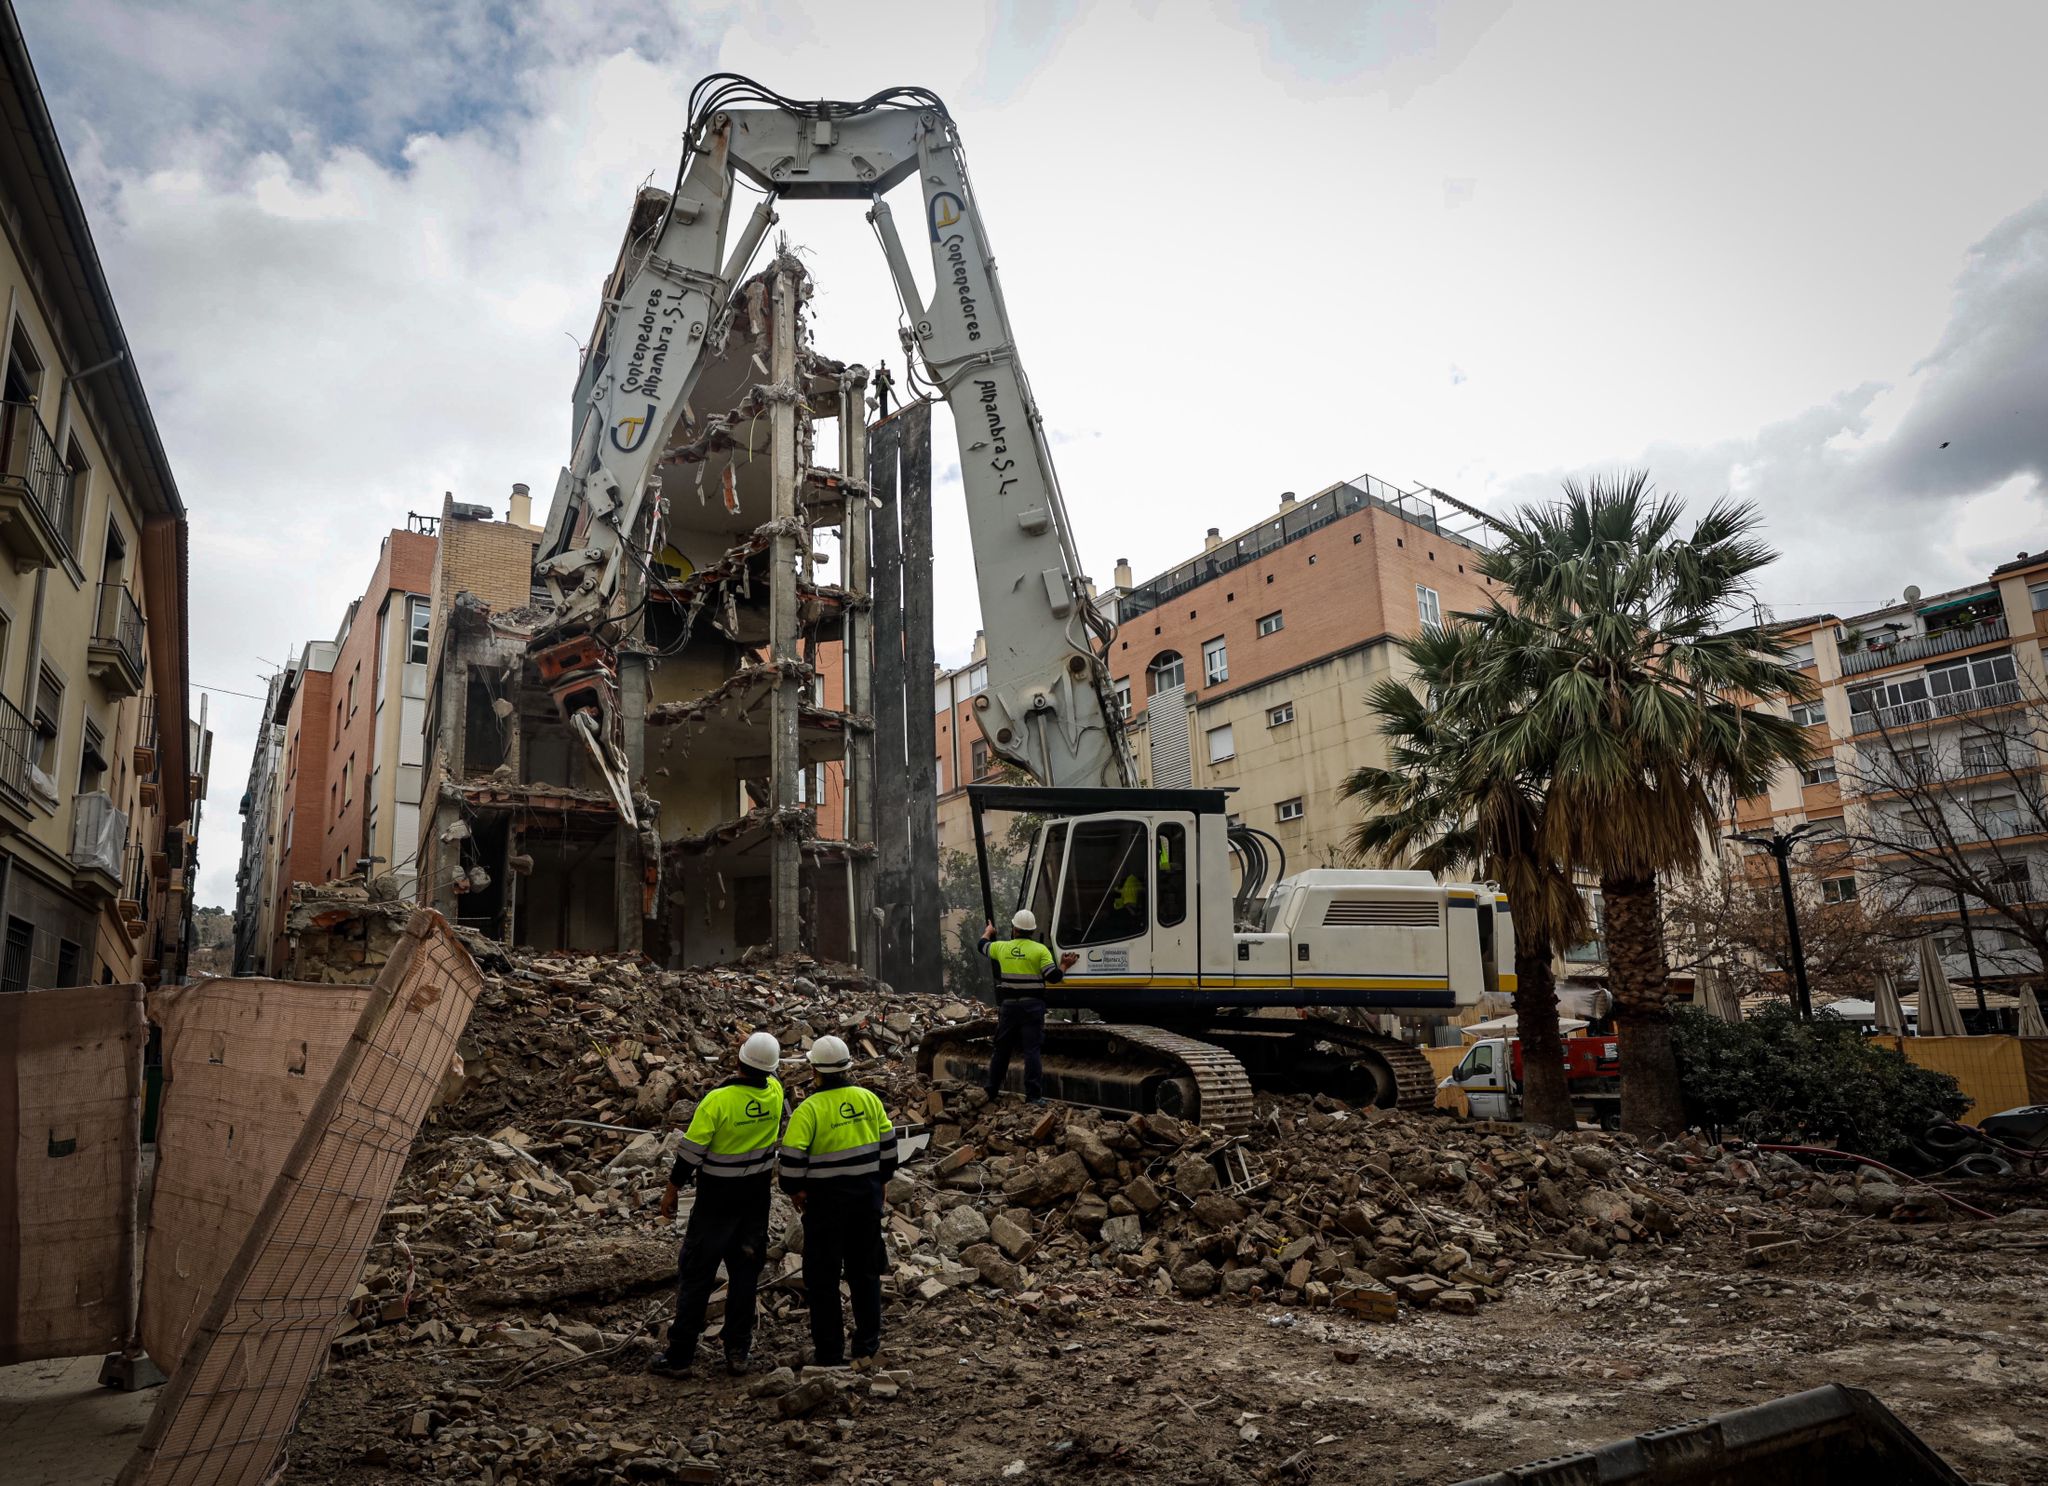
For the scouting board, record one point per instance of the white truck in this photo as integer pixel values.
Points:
(1490, 1075)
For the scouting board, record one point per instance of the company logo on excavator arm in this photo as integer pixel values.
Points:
(944, 210)
(630, 432)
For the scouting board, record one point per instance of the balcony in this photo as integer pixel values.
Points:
(1875, 657)
(35, 490)
(99, 833)
(1955, 704)
(2013, 890)
(115, 652)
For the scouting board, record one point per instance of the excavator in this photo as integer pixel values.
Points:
(1200, 959)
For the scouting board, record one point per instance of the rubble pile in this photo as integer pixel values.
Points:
(523, 1242)
(1324, 1205)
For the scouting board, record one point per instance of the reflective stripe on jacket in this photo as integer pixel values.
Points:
(839, 1141)
(1024, 966)
(732, 1133)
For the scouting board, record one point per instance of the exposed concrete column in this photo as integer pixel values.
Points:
(631, 863)
(921, 740)
(785, 703)
(895, 941)
(859, 650)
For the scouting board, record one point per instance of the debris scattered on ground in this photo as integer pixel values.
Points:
(521, 1277)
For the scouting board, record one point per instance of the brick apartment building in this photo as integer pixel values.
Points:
(1931, 720)
(336, 781)
(1246, 667)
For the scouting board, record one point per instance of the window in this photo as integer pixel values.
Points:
(77, 490)
(1809, 714)
(92, 764)
(1953, 684)
(337, 725)
(1838, 890)
(1288, 809)
(1983, 753)
(1280, 716)
(1900, 693)
(1427, 606)
(377, 666)
(1271, 624)
(286, 844)
(352, 675)
(1221, 745)
(1105, 897)
(21, 941)
(1820, 771)
(1173, 874)
(978, 757)
(1215, 662)
(348, 782)
(1050, 864)
(1123, 698)
(49, 720)
(2039, 594)
(1166, 673)
(1478, 1061)
(1800, 654)
(2010, 882)
(977, 680)
(67, 963)
(418, 616)
(1997, 816)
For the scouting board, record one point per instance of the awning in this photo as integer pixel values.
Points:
(1962, 603)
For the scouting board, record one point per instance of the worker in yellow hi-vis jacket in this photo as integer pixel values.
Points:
(729, 1150)
(836, 1160)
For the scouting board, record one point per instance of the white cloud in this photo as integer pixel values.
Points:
(356, 246)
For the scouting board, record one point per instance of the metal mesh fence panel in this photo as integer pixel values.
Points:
(240, 1384)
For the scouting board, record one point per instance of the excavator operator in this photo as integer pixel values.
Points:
(1024, 968)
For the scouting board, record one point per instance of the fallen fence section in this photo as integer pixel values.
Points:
(239, 1385)
(70, 1144)
(1832, 1436)
(245, 1061)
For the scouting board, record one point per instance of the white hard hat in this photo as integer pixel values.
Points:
(829, 1055)
(761, 1052)
(1024, 921)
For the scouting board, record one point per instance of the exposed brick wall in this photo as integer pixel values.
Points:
(308, 735)
(1353, 580)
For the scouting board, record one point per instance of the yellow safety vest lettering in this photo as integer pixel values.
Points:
(1021, 963)
(839, 1140)
(732, 1133)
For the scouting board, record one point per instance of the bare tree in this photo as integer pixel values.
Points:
(1947, 807)
(1731, 916)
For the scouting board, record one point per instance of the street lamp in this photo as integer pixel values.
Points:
(1779, 844)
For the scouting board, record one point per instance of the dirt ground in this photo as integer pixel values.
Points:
(1947, 1324)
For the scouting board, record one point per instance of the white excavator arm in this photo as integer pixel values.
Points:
(1049, 707)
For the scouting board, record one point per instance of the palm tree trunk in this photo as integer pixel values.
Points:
(1545, 1098)
(1651, 1105)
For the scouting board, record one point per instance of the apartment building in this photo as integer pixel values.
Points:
(336, 780)
(1928, 737)
(1247, 666)
(100, 770)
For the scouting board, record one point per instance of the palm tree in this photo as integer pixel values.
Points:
(1613, 651)
(1432, 807)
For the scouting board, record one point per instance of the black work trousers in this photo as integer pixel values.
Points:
(729, 1226)
(1020, 1025)
(843, 1235)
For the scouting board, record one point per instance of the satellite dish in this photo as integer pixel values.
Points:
(1912, 593)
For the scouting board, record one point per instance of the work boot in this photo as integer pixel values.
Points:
(736, 1363)
(665, 1365)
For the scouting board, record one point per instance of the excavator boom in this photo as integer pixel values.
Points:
(1049, 708)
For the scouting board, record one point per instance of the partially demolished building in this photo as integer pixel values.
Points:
(744, 656)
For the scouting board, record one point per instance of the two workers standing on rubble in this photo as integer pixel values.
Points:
(836, 1160)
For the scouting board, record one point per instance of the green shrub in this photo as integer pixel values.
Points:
(1773, 1078)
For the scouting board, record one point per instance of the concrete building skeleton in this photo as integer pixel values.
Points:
(745, 697)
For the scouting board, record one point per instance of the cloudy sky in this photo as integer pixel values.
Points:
(1785, 251)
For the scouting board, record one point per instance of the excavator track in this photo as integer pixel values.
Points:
(1315, 1055)
(1110, 1065)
